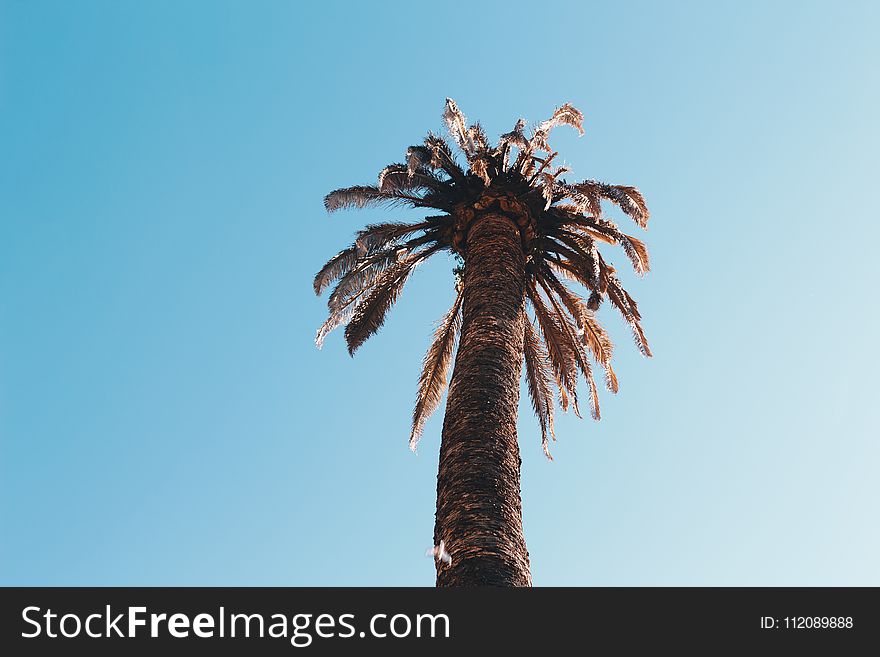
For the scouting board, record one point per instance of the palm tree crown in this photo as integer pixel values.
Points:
(560, 225)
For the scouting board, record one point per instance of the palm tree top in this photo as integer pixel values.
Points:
(560, 224)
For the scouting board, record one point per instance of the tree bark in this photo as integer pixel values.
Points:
(479, 511)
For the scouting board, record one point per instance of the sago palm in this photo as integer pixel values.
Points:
(522, 233)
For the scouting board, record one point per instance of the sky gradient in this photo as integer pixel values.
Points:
(165, 418)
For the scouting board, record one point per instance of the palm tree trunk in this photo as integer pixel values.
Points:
(479, 512)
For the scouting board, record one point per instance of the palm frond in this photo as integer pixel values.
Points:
(442, 157)
(625, 304)
(433, 379)
(565, 115)
(352, 287)
(391, 168)
(628, 199)
(637, 253)
(608, 231)
(457, 125)
(515, 137)
(577, 347)
(594, 336)
(370, 313)
(480, 168)
(361, 196)
(419, 158)
(538, 378)
(571, 271)
(568, 114)
(364, 276)
(335, 268)
(367, 241)
(559, 350)
(377, 236)
(584, 253)
(478, 136)
(401, 180)
(586, 197)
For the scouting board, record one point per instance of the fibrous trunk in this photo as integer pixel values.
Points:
(479, 511)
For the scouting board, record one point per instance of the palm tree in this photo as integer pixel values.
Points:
(519, 230)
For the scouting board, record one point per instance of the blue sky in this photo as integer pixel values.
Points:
(166, 419)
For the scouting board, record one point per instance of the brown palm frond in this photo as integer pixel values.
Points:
(559, 349)
(370, 313)
(568, 114)
(524, 163)
(586, 198)
(577, 347)
(351, 288)
(367, 241)
(367, 272)
(589, 226)
(391, 168)
(354, 286)
(457, 126)
(480, 167)
(336, 267)
(443, 158)
(631, 202)
(334, 320)
(594, 336)
(625, 304)
(585, 249)
(608, 231)
(419, 158)
(377, 236)
(572, 272)
(401, 180)
(579, 265)
(545, 162)
(433, 379)
(565, 115)
(628, 199)
(361, 196)
(637, 253)
(547, 181)
(539, 377)
(515, 137)
(478, 136)
(373, 263)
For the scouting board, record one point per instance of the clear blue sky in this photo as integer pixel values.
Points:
(166, 419)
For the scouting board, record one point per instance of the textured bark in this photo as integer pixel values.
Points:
(479, 511)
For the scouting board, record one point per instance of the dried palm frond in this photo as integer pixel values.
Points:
(364, 276)
(515, 137)
(457, 126)
(442, 157)
(628, 199)
(565, 115)
(433, 380)
(478, 137)
(576, 346)
(370, 313)
(539, 377)
(559, 350)
(360, 196)
(594, 336)
(337, 266)
(621, 300)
